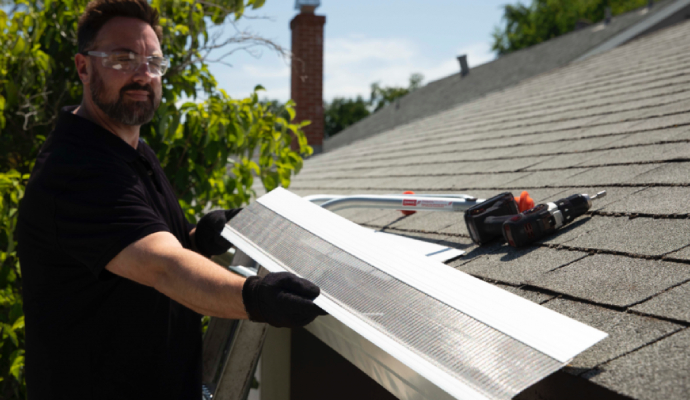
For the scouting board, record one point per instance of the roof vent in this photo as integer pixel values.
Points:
(464, 68)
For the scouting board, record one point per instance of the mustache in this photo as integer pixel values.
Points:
(136, 86)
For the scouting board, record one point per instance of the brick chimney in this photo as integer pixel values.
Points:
(307, 70)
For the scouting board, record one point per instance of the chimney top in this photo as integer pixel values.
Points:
(307, 6)
(464, 67)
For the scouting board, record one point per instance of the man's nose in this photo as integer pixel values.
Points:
(143, 74)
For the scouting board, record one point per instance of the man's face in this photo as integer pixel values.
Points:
(130, 98)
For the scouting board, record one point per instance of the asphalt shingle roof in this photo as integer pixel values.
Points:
(627, 332)
(619, 121)
(507, 71)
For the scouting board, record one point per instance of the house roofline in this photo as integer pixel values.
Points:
(636, 30)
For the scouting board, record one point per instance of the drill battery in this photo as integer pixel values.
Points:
(498, 206)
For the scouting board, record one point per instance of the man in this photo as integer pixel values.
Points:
(115, 278)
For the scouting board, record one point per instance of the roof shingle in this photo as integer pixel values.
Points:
(613, 280)
(507, 71)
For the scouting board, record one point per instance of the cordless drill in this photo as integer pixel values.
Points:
(500, 216)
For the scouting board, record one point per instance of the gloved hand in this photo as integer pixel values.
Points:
(207, 236)
(281, 299)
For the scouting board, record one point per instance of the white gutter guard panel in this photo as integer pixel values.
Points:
(428, 249)
(468, 337)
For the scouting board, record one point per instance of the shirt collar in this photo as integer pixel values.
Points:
(83, 132)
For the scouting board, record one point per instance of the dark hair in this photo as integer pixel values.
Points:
(98, 12)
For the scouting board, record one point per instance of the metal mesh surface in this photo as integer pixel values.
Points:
(483, 358)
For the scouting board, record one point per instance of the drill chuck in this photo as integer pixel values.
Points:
(573, 206)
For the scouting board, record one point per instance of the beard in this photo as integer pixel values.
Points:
(122, 110)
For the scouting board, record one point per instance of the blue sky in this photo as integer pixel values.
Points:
(368, 41)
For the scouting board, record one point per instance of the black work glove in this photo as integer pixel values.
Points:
(281, 299)
(207, 236)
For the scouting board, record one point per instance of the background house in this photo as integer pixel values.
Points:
(513, 68)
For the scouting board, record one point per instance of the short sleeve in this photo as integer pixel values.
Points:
(101, 212)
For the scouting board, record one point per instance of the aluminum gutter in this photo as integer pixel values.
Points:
(396, 377)
(636, 29)
(403, 382)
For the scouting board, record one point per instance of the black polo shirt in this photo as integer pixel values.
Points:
(89, 333)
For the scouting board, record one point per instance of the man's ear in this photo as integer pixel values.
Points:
(83, 68)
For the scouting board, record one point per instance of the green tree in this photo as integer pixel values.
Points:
(276, 107)
(383, 96)
(11, 314)
(341, 113)
(525, 26)
(211, 150)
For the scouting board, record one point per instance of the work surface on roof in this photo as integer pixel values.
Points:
(619, 122)
(501, 73)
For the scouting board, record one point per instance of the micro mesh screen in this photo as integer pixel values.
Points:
(480, 356)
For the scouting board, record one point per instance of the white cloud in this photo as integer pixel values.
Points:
(358, 49)
(262, 71)
(477, 53)
(239, 81)
(351, 64)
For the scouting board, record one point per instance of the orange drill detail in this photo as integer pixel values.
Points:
(524, 202)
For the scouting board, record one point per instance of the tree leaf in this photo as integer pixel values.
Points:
(7, 331)
(18, 324)
(17, 364)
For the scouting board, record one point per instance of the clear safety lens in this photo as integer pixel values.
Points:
(128, 62)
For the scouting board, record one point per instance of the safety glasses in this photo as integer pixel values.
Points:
(129, 62)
